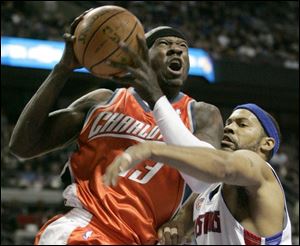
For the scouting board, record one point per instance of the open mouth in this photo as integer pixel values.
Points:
(175, 66)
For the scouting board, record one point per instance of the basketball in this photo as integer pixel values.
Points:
(97, 36)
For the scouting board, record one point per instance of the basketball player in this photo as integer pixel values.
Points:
(245, 203)
(106, 123)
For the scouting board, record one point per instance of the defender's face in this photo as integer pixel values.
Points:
(170, 59)
(242, 131)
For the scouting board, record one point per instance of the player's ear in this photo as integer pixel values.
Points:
(267, 144)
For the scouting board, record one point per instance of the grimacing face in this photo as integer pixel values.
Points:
(242, 131)
(170, 59)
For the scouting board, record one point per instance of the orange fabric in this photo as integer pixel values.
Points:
(93, 234)
(147, 196)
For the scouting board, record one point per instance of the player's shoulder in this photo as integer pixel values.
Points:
(207, 112)
(99, 96)
(205, 107)
(256, 160)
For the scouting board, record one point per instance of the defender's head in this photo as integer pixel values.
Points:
(251, 127)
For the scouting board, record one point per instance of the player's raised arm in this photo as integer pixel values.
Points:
(37, 130)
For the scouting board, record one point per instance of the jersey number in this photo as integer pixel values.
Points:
(143, 177)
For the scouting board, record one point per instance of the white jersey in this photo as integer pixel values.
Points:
(215, 225)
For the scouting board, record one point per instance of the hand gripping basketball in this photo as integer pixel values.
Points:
(97, 37)
(68, 58)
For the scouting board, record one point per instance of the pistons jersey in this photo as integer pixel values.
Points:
(146, 196)
(215, 225)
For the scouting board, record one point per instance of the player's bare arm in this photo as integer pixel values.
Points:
(242, 167)
(38, 130)
(239, 168)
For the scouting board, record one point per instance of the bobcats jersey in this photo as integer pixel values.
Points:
(145, 196)
(215, 225)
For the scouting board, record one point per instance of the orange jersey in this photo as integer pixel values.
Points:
(146, 196)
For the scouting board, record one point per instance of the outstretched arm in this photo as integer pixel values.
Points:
(242, 167)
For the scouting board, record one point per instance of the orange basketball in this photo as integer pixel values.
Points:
(97, 36)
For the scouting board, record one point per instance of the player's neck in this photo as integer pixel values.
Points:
(171, 92)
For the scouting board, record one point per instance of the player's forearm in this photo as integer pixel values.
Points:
(31, 121)
(172, 127)
(175, 132)
(204, 164)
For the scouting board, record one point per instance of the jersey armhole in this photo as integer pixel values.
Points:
(192, 121)
(286, 214)
(187, 192)
(109, 102)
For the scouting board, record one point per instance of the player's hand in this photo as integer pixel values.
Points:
(127, 160)
(180, 229)
(172, 233)
(68, 59)
(141, 74)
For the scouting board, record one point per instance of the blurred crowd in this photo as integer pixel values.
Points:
(21, 220)
(44, 173)
(260, 32)
(264, 32)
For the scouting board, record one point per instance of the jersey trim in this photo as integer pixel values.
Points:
(117, 135)
(187, 192)
(177, 98)
(191, 115)
(110, 101)
(139, 100)
(286, 215)
(145, 105)
(274, 240)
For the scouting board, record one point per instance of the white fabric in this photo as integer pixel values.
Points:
(215, 225)
(175, 132)
(58, 232)
(70, 196)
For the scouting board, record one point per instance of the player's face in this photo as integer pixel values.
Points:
(242, 131)
(170, 59)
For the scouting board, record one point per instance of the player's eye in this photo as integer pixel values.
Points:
(183, 45)
(243, 125)
(163, 42)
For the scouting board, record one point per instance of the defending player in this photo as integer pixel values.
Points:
(245, 203)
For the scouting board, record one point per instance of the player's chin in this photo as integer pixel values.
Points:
(174, 78)
(174, 81)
